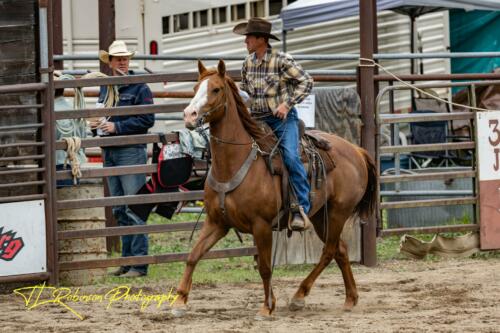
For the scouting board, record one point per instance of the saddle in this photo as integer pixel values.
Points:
(317, 160)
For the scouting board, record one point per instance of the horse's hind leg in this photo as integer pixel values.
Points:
(342, 259)
(298, 300)
(331, 250)
(210, 234)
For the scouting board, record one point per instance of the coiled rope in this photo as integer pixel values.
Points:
(74, 142)
(73, 146)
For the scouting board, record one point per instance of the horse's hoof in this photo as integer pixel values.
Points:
(179, 312)
(260, 317)
(348, 306)
(297, 304)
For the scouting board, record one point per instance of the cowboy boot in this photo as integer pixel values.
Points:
(121, 270)
(300, 221)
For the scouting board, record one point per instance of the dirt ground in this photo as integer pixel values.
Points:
(398, 296)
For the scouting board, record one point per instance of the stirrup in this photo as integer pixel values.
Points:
(295, 225)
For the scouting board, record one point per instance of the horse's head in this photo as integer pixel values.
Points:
(209, 102)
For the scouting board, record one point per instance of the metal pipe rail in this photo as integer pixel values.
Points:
(26, 87)
(427, 176)
(110, 171)
(436, 193)
(113, 141)
(19, 107)
(22, 144)
(130, 200)
(427, 147)
(428, 203)
(22, 170)
(120, 110)
(199, 167)
(385, 119)
(236, 75)
(129, 230)
(320, 57)
(156, 259)
(430, 230)
(6, 129)
(22, 158)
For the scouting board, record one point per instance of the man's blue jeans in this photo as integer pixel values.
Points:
(132, 245)
(288, 130)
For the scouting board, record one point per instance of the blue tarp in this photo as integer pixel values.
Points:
(465, 27)
(306, 12)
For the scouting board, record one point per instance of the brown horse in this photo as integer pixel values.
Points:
(251, 200)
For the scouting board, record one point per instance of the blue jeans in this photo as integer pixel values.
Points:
(288, 130)
(132, 245)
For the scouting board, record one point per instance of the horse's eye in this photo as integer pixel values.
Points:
(216, 90)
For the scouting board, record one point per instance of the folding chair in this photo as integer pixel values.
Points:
(433, 132)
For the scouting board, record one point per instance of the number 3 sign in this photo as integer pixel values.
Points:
(488, 154)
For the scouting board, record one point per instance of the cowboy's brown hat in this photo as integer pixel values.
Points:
(255, 26)
(117, 49)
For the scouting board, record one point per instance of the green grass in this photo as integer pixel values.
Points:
(242, 269)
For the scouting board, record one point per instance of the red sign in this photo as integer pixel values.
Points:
(9, 245)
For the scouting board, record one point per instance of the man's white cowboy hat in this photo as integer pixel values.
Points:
(117, 49)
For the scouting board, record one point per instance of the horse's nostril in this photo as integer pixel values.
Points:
(194, 113)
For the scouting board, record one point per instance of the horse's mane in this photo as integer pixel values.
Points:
(250, 124)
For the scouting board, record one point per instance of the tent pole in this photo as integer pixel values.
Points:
(412, 50)
(283, 40)
(366, 87)
(412, 42)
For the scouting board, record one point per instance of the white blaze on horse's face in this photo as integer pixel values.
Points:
(192, 111)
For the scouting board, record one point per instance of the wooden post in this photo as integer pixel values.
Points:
(57, 32)
(107, 36)
(367, 16)
(112, 242)
(106, 29)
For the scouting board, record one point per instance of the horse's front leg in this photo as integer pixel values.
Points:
(210, 234)
(262, 234)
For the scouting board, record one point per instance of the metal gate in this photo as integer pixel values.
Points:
(396, 149)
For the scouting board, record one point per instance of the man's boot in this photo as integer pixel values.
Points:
(121, 270)
(300, 221)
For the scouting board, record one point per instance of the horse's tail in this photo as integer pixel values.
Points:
(367, 204)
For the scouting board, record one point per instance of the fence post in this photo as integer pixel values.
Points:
(368, 20)
(106, 28)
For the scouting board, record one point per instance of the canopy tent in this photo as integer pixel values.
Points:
(306, 12)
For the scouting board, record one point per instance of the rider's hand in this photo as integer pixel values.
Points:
(282, 111)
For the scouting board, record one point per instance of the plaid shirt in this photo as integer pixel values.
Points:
(273, 80)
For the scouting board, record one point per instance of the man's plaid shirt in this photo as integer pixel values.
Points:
(275, 79)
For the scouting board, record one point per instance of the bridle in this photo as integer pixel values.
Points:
(200, 121)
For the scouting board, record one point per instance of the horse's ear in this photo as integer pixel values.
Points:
(221, 68)
(201, 67)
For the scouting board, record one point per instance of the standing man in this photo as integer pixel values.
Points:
(275, 83)
(118, 59)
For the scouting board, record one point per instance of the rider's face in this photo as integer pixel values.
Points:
(254, 43)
